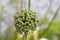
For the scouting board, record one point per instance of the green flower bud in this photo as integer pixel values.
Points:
(25, 20)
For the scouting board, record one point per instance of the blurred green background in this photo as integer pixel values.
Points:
(47, 10)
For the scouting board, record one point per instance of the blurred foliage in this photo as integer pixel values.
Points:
(14, 3)
(55, 27)
(1, 14)
(11, 33)
(1, 19)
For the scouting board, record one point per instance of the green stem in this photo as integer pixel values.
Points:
(29, 4)
(25, 36)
